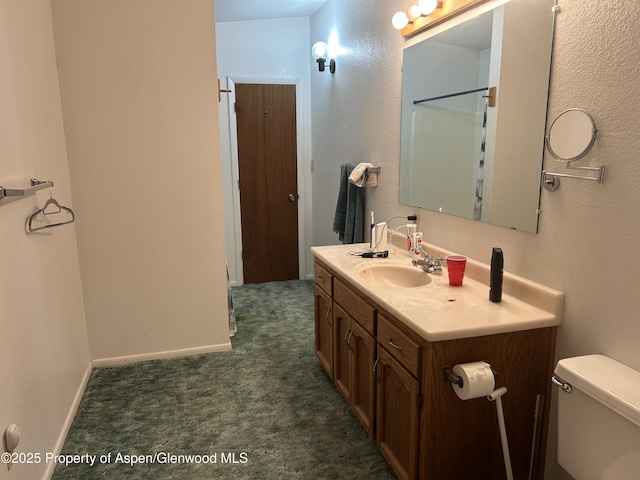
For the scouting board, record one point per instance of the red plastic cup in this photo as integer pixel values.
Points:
(455, 267)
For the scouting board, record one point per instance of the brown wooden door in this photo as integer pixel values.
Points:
(267, 164)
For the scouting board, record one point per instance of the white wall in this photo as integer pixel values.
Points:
(265, 51)
(587, 243)
(145, 258)
(356, 112)
(44, 355)
(139, 98)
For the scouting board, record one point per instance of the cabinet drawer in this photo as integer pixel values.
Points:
(354, 305)
(405, 349)
(323, 278)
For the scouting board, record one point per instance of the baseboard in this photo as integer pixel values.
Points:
(234, 283)
(185, 352)
(113, 361)
(51, 466)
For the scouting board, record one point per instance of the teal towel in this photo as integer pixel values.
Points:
(348, 222)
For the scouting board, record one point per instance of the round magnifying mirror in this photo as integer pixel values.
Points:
(571, 134)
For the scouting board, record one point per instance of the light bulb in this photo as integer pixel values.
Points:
(320, 50)
(413, 12)
(427, 6)
(399, 20)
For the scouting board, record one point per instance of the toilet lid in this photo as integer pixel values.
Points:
(611, 383)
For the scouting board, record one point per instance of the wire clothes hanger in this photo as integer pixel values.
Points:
(57, 209)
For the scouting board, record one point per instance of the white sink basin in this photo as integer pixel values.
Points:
(395, 275)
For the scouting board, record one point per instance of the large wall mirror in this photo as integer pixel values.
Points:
(459, 155)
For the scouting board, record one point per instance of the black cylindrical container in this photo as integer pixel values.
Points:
(495, 283)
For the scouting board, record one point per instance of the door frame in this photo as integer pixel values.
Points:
(233, 143)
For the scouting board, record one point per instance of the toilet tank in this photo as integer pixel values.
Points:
(599, 421)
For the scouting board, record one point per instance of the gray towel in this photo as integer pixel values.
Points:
(348, 222)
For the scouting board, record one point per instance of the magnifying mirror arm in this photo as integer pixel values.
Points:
(574, 134)
(551, 180)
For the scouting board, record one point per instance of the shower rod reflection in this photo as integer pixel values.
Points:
(491, 96)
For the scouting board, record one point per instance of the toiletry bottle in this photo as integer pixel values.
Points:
(411, 229)
(372, 233)
(495, 281)
(381, 237)
(417, 242)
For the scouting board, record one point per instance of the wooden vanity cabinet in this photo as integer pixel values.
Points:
(324, 329)
(323, 313)
(524, 361)
(382, 387)
(421, 427)
(354, 356)
(398, 402)
(354, 350)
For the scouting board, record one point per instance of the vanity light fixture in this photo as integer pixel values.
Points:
(320, 51)
(413, 12)
(427, 13)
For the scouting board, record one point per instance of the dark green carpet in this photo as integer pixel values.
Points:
(267, 404)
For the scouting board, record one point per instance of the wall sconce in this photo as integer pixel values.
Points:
(427, 13)
(320, 51)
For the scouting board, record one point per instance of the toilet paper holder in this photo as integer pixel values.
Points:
(456, 379)
(493, 395)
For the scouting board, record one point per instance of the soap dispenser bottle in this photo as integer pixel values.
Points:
(495, 281)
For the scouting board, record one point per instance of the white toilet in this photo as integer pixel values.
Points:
(599, 420)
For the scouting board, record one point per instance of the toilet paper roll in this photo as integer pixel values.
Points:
(477, 380)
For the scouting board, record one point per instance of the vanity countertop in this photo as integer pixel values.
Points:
(438, 311)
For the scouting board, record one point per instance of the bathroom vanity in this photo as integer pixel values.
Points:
(384, 331)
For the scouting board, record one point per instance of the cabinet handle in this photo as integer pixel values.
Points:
(393, 344)
(375, 368)
(349, 341)
(326, 316)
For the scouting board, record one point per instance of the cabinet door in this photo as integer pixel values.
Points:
(363, 349)
(342, 358)
(397, 415)
(324, 329)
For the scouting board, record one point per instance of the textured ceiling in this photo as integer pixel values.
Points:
(239, 10)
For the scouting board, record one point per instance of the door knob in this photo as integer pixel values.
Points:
(292, 197)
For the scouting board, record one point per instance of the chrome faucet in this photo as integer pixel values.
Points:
(429, 264)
